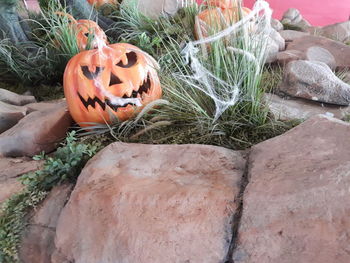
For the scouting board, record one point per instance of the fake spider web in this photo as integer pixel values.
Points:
(248, 39)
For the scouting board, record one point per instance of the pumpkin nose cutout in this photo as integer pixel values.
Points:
(91, 75)
(132, 60)
(114, 80)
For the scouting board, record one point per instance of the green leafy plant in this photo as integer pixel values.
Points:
(63, 166)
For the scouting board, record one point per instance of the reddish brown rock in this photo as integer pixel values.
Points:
(47, 105)
(297, 203)
(38, 131)
(10, 115)
(152, 203)
(15, 99)
(340, 52)
(37, 243)
(10, 170)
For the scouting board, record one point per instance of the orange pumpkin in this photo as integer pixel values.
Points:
(86, 29)
(214, 20)
(223, 3)
(99, 3)
(116, 81)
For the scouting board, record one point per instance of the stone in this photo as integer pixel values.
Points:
(316, 53)
(339, 31)
(296, 205)
(15, 99)
(276, 24)
(37, 242)
(10, 115)
(156, 8)
(314, 81)
(46, 105)
(275, 44)
(294, 108)
(284, 57)
(10, 170)
(339, 51)
(291, 35)
(152, 203)
(293, 17)
(38, 131)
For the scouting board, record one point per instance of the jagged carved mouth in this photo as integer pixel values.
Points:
(125, 99)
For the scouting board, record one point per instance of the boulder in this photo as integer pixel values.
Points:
(293, 18)
(15, 99)
(275, 44)
(10, 170)
(291, 35)
(339, 31)
(325, 48)
(294, 108)
(314, 81)
(10, 115)
(37, 242)
(152, 203)
(38, 131)
(46, 105)
(296, 205)
(155, 8)
(284, 57)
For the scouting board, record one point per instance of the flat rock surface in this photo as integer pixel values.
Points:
(297, 203)
(152, 203)
(38, 131)
(314, 81)
(295, 108)
(14, 98)
(10, 170)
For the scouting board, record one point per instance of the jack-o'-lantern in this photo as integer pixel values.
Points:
(86, 31)
(216, 19)
(99, 3)
(223, 3)
(115, 81)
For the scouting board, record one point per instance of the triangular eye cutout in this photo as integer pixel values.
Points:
(91, 75)
(114, 80)
(132, 60)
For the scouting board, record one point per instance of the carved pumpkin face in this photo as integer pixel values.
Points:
(99, 3)
(214, 20)
(89, 29)
(116, 81)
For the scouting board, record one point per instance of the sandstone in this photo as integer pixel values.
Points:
(293, 108)
(339, 31)
(293, 17)
(152, 203)
(38, 131)
(296, 205)
(321, 54)
(15, 99)
(339, 51)
(314, 81)
(275, 44)
(10, 170)
(290, 35)
(10, 115)
(284, 57)
(37, 242)
(46, 105)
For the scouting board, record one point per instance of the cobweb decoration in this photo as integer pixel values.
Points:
(253, 31)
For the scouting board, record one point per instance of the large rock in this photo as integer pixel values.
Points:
(38, 131)
(275, 44)
(10, 115)
(37, 242)
(314, 81)
(293, 108)
(339, 31)
(325, 48)
(152, 203)
(155, 8)
(293, 17)
(296, 205)
(15, 99)
(10, 170)
(291, 35)
(46, 105)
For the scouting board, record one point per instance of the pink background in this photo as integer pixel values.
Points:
(317, 12)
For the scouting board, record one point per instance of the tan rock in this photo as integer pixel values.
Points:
(155, 8)
(294, 108)
(296, 205)
(37, 132)
(37, 242)
(152, 203)
(10, 170)
(46, 105)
